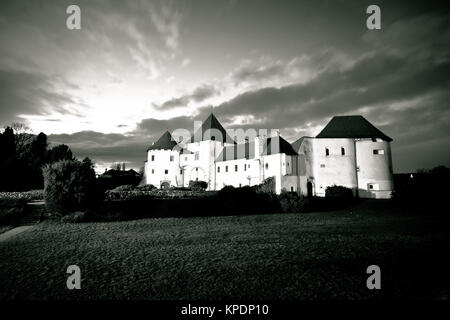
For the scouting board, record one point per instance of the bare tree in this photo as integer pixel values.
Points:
(23, 136)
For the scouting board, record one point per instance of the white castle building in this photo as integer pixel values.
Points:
(349, 152)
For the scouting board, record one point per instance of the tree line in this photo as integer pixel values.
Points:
(23, 155)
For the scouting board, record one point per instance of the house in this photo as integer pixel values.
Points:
(349, 151)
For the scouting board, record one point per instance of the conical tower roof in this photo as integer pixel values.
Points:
(351, 127)
(210, 127)
(165, 142)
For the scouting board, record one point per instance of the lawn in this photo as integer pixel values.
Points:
(280, 256)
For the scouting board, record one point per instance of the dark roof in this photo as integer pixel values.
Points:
(247, 150)
(351, 127)
(211, 127)
(284, 146)
(119, 173)
(298, 143)
(165, 142)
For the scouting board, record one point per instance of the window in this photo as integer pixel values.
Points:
(249, 166)
(153, 158)
(185, 158)
(292, 189)
(181, 171)
(322, 166)
(153, 171)
(226, 168)
(373, 186)
(343, 151)
(245, 167)
(378, 151)
(327, 152)
(218, 169)
(267, 166)
(235, 168)
(196, 156)
(166, 171)
(171, 158)
(196, 169)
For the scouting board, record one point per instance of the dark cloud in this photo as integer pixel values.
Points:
(198, 95)
(31, 93)
(106, 148)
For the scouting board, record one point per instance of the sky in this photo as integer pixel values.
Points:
(138, 68)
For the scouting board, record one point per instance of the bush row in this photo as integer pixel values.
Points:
(25, 195)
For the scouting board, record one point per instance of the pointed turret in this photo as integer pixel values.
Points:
(165, 142)
(211, 130)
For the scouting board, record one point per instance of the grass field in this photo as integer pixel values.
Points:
(281, 256)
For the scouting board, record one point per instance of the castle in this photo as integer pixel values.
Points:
(349, 152)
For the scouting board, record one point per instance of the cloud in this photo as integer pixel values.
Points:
(25, 93)
(105, 149)
(198, 95)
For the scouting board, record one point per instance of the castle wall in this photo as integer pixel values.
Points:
(375, 177)
(158, 161)
(335, 167)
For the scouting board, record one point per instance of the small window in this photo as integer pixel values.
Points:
(235, 168)
(213, 138)
(322, 166)
(196, 169)
(245, 167)
(166, 171)
(327, 152)
(343, 151)
(249, 166)
(181, 171)
(218, 169)
(378, 151)
(226, 168)
(196, 156)
(171, 158)
(153, 158)
(288, 164)
(373, 186)
(267, 166)
(185, 158)
(153, 171)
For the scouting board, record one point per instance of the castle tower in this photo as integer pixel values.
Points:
(163, 163)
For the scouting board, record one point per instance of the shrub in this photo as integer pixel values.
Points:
(267, 186)
(74, 217)
(69, 185)
(11, 210)
(23, 195)
(145, 187)
(338, 192)
(291, 202)
(198, 185)
(126, 187)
